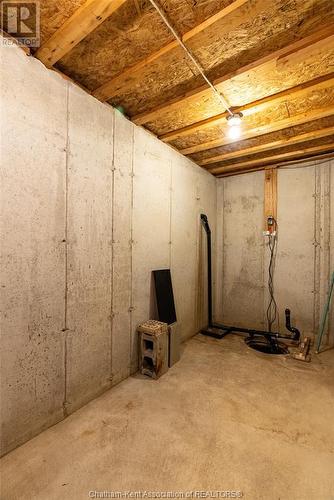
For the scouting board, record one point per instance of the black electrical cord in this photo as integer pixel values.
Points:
(272, 310)
(218, 330)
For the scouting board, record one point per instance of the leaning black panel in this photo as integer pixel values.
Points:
(165, 296)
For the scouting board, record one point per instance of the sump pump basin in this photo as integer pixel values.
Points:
(266, 347)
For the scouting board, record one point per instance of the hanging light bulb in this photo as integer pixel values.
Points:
(235, 119)
(234, 132)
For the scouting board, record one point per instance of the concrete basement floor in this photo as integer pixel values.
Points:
(223, 418)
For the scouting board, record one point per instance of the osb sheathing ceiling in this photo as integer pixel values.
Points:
(281, 135)
(270, 115)
(54, 14)
(253, 30)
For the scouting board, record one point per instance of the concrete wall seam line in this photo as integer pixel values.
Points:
(170, 213)
(131, 237)
(223, 246)
(324, 275)
(65, 403)
(317, 236)
(331, 238)
(112, 208)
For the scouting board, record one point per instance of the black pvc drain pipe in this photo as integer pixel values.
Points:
(266, 347)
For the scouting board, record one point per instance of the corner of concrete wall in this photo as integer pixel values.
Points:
(304, 254)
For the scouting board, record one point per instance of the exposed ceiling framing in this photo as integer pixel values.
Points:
(273, 60)
(264, 129)
(275, 158)
(110, 88)
(311, 42)
(300, 90)
(85, 20)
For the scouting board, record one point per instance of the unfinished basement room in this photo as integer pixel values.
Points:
(167, 256)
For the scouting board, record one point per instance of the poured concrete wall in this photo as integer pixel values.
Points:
(90, 206)
(240, 251)
(305, 256)
(89, 249)
(33, 219)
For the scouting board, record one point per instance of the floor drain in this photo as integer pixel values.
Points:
(266, 347)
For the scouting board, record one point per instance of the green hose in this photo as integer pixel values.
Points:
(325, 314)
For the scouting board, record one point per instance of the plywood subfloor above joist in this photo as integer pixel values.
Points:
(257, 27)
(306, 47)
(224, 51)
(299, 153)
(112, 87)
(257, 85)
(313, 159)
(132, 37)
(298, 119)
(55, 14)
(82, 22)
(272, 60)
(268, 146)
(300, 90)
(284, 134)
(263, 157)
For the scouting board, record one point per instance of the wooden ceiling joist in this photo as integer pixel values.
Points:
(300, 90)
(272, 159)
(309, 42)
(298, 61)
(110, 88)
(292, 121)
(84, 20)
(290, 141)
(287, 163)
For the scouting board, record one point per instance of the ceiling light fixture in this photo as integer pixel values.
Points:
(235, 119)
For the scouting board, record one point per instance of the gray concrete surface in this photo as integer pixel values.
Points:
(305, 256)
(296, 272)
(91, 205)
(331, 248)
(223, 418)
(32, 197)
(89, 250)
(240, 252)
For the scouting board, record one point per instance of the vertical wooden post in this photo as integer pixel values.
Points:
(270, 194)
